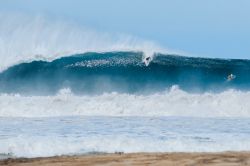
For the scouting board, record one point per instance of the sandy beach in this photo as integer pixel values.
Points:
(222, 159)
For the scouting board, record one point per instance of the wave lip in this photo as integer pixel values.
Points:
(32, 38)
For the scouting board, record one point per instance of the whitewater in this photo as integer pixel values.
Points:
(67, 90)
(173, 102)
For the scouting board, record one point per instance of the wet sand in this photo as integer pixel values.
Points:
(140, 159)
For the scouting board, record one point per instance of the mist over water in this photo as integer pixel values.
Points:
(25, 38)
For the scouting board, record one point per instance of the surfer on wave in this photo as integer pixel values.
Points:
(147, 60)
(231, 77)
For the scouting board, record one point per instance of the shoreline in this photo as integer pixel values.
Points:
(218, 158)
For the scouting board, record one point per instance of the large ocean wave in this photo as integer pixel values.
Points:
(105, 74)
(125, 72)
(25, 38)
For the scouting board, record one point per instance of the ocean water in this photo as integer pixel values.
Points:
(64, 91)
(115, 102)
(33, 137)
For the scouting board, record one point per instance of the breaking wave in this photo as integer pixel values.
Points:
(26, 38)
(84, 92)
(172, 102)
(125, 72)
(50, 68)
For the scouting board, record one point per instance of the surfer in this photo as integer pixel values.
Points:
(231, 77)
(147, 60)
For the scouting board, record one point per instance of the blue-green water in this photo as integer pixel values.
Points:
(125, 72)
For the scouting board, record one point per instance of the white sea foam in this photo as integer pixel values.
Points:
(173, 102)
(24, 38)
(37, 137)
(53, 146)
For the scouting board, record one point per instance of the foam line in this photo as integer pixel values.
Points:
(174, 102)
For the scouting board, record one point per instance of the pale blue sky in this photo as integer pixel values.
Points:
(211, 28)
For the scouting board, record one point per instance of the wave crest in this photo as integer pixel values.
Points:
(24, 39)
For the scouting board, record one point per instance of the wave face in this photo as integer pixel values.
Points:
(124, 72)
